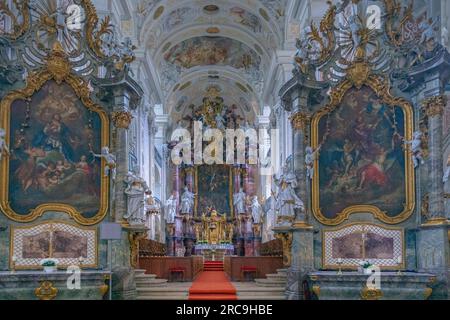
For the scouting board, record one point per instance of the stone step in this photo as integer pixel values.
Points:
(277, 276)
(270, 283)
(139, 272)
(271, 297)
(173, 297)
(145, 276)
(151, 282)
(160, 292)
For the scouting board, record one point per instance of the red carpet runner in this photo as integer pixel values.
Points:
(212, 284)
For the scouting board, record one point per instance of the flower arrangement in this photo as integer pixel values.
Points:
(365, 264)
(49, 264)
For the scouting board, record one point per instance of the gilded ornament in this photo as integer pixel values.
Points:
(300, 121)
(122, 119)
(434, 106)
(46, 291)
(19, 29)
(134, 238)
(316, 290)
(427, 293)
(286, 239)
(371, 293)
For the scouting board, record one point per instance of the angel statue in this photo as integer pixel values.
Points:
(301, 56)
(187, 201)
(3, 146)
(310, 157)
(416, 148)
(171, 209)
(447, 171)
(428, 30)
(110, 167)
(256, 210)
(136, 190)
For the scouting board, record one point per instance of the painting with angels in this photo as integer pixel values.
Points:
(52, 136)
(362, 159)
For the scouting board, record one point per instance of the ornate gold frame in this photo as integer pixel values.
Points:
(84, 266)
(352, 267)
(359, 75)
(230, 190)
(59, 69)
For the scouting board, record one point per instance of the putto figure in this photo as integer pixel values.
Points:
(416, 148)
(3, 147)
(110, 167)
(310, 157)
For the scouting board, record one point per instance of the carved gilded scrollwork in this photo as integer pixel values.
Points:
(371, 293)
(359, 75)
(58, 68)
(19, 29)
(300, 121)
(46, 291)
(122, 119)
(326, 27)
(93, 37)
(434, 106)
(134, 238)
(286, 239)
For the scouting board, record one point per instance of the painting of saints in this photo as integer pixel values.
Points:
(361, 161)
(55, 133)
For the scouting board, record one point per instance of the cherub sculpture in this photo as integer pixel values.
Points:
(110, 167)
(416, 148)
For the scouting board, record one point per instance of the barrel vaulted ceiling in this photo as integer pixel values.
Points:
(196, 44)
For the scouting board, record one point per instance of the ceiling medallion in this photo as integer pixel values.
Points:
(158, 12)
(213, 30)
(211, 8)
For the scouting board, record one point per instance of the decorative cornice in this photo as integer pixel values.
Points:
(434, 106)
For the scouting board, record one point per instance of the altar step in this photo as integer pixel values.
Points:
(213, 266)
(147, 280)
(252, 291)
(173, 291)
(276, 280)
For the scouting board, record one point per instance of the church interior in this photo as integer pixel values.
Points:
(224, 150)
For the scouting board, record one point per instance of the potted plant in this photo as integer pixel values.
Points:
(365, 267)
(50, 265)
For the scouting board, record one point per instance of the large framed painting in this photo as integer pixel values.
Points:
(53, 239)
(348, 246)
(363, 164)
(214, 188)
(52, 126)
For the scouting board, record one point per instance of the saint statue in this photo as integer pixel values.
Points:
(135, 191)
(270, 214)
(171, 209)
(239, 201)
(310, 157)
(3, 147)
(110, 167)
(187, 201)
(256, 210)
(287, 202)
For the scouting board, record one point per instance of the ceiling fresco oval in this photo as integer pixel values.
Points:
(206, 51)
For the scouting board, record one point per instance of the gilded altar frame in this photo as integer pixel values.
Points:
(59, 69)
(230, 190)
(359, 75)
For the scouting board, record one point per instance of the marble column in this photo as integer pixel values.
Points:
(433, 252)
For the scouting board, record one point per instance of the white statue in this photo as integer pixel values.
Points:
(427, 28)
(256, 210)
(447, 171)
(110, 167)
(286, 176)
(136, 190)
(187, 201)
(239, 201)
(3, 146)
(310, 158)
(171, 209)
(354, 26)
(445, 37)
(416, 148)
(220, 121)
(287, 202)
(270, 215)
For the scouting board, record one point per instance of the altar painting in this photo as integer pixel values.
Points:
(213, 189)
(362, 164)
(51, 164)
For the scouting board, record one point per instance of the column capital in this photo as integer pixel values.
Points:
(121, 119)
(434, 106)
(300, 120)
